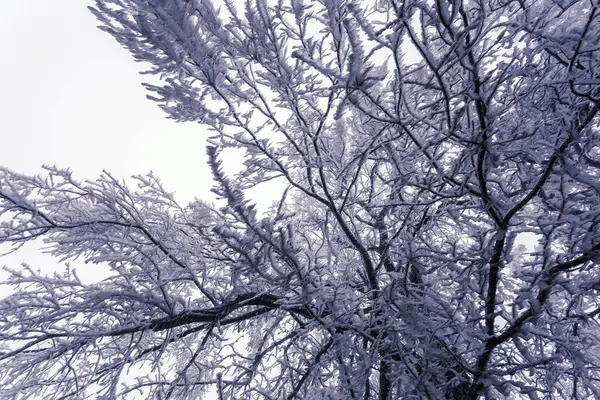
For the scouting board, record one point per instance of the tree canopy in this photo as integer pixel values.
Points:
(437, 235)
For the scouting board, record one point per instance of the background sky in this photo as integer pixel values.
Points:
(71, 96)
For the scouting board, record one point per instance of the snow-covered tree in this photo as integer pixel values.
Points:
(437, 234)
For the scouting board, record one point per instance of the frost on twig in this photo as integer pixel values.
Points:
(437, 233)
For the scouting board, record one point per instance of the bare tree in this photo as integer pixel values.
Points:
(419, 145)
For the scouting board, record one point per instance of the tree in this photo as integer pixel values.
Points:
(418, 146)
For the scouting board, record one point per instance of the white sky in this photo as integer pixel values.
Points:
(71, 96)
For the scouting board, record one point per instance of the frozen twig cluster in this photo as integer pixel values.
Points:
(418, 145)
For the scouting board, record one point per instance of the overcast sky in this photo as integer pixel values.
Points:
(72, 96)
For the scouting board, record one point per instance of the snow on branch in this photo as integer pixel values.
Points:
(434, 230)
